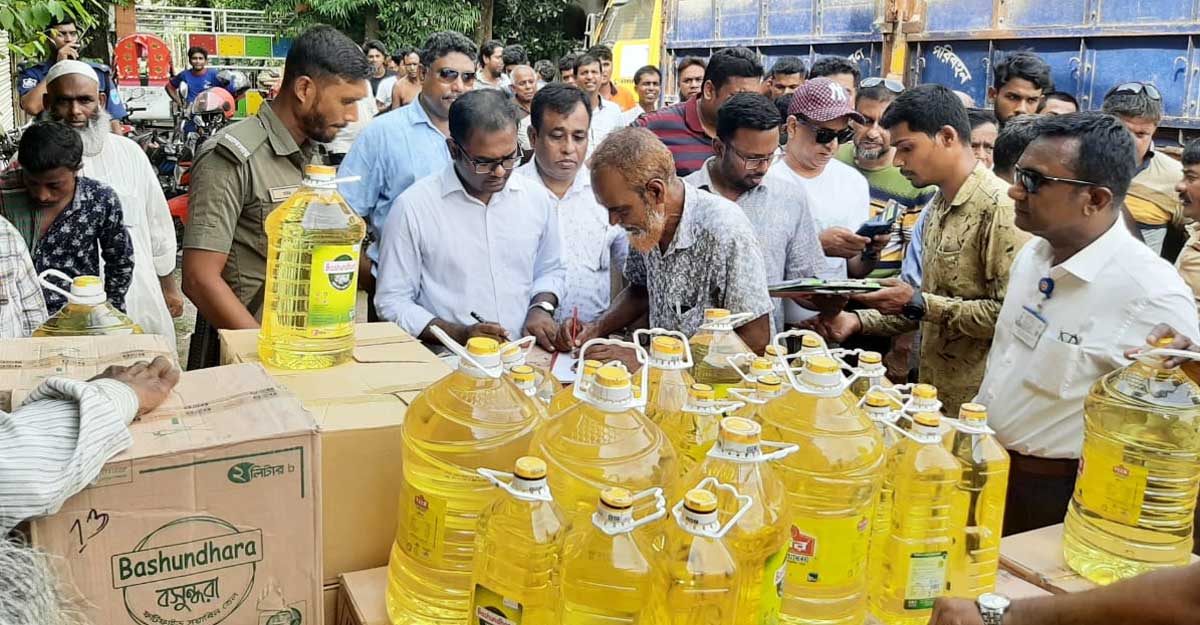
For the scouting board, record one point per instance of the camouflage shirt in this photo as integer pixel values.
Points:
(970, 244)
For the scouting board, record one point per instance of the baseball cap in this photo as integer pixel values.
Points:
(822, 99)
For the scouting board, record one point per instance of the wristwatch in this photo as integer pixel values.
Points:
(546, 306)
(992, 608)
(914, 310)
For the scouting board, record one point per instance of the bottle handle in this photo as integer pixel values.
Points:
(454, 346)
(746, 396)
(504, 480)
(1170, 353)
(687, 363)
(894, 395)
(735, 360)
(54, 273)
(711, 483)
(525, 344)
(639, 399)
(782, 450)
(660, 511)
(729, 322)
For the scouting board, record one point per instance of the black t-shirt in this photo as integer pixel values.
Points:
(375, 81)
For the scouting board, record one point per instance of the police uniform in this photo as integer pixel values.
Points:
(32, 75)
(238, 178)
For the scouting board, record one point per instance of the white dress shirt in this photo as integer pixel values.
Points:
(1104, 301)
(445, 254)
(122, 165)
(590, 246)
(605, 119)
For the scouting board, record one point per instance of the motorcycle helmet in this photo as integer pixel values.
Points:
(235, 82)
(214, 99)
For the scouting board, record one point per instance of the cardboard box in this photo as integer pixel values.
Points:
(363, 598)
(1037, 557)
(24, 363)
(212, 516)
(359, 407)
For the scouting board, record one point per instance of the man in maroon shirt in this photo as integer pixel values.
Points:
(688, 128)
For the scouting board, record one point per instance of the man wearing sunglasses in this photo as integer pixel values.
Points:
(1080, 294)
(970, 242)
(409, 143)
(65, 42)
(472, 249)
(1152, 200)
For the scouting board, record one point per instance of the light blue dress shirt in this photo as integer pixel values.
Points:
(394, 151)
(911, 268)
(445, 254)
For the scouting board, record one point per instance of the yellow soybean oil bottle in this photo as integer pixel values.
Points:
(712, 347)
(832, 484)
(608, 573)
(983, 488)
(702, 575)
(670, 367)
(87, 311)
(523, 522)
(692, 429)
(872, 373)
(1135, 497)
(761, 539)
(474, 417)
(565, 398)
(515, 353)
(605, 440)
(766, 389)
(525, 378)
(313, 242)
(884, 411)
(919, 547)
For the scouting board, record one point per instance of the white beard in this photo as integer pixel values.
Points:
(95, 134)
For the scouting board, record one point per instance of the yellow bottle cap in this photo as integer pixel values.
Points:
(523, 373)
(869, 358)
(530, 468)
(616, 498)
(715, 313)
(762, 366)
(925, 391)
(509, 349)
(928, 419)
(774, 351)
(739, 430)
(702, 392)
(769, 382)
(1164, 342)
(699, 500)
(612, 377)
(810, 341)
(666, 346)
(590, 366)
(319, 170)
(482, 346)
(86, 281)
(821, 364)
(972, 412)
(875, 399)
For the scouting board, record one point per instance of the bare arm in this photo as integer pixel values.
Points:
(630, 304)
(756, 334)
(203, 284)
(31, 102)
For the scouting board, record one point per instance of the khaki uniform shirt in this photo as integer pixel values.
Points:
(1188, 262)
(239, 177)
(969, 247)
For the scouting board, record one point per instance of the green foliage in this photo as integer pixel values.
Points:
(410, 22)
(536, 24)
(28, 20)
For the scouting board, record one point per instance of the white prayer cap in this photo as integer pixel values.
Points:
(64, 68)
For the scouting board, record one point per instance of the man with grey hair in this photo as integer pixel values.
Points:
(72, 97)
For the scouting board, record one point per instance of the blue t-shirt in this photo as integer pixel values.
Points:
(196, 84)
(32, 75)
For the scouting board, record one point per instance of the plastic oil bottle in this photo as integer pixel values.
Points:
(832, 484)
(525, 378)
(692, 429)
(609, 574)
(884, 412)
(469, 419)
(984, 485)
(766, 389)
(518, 544)
(1135, 497)
(87, 312)
(670, 372)
(604, 440)
(702, 575)
(872, 373)
(761, 539)
(514, 354)
(313, 242)
(565, 398)
(712, 347)
(919, 547)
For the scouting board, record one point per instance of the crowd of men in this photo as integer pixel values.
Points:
(1024, 250)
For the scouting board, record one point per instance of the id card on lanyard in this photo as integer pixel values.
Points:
(1031, 324)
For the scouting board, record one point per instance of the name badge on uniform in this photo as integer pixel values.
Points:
(1029, 326)
(279, 194)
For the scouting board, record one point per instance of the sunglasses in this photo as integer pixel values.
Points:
(828, 135)
(487, 167)
(448, 76)
(1031, 180)
(1135, 88)
(894, 86)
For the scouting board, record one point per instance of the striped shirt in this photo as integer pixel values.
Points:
(22, 307)
(678, 127)
(55, 444)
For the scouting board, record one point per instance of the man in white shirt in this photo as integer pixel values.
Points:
(606, 114)
(591, 246)
(72, 97)
(472, 249)
(647, 82)
(1080, 294)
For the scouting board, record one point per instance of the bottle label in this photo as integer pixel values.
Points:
(492, 608)
(771, 592)
(827, 551)
(926, 579)
(333, 287)
(424, 524)
(1108, 485)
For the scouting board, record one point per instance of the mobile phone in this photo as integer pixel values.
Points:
(874, 228)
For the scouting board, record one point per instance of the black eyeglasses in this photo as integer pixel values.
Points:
(1135, 88)
(827, 135)
(894, 86)
(486, 167)
(1032, 180)
(752, 162)
(448, 76)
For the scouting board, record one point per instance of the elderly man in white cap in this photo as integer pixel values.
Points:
(72, 97)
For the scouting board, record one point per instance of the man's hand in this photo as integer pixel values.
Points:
(152, 381)
(890, 300)
(172, 296)
(955, 612)
(540, 325)
(68, 52)
(487, 329)
(841, 242)
(825, 304)
(570, 330)
(366, 280)
(880, 241)
(1178, 341)
(837, 328)
(608, 353)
